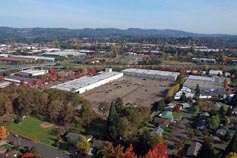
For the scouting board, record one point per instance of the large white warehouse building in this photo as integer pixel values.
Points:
(151, 74)
(86, 83)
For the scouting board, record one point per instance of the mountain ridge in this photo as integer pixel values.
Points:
(8, 33)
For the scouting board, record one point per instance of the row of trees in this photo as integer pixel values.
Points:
(54, 105)
(122, 119)
(157, 151)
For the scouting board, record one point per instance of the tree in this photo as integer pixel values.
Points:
(213, 121)
(76, 126)
(8, 107)
(232, 146)
(206, 150)
(84, 70)
(113, 152)
(157, 139)
(34, 150)
(43, 79)
(197, 92)
(233, 101)
(87, 113)
(195, 109)
(28, 155)
(83, 146)
(158, 151)
(231, 155)
(223, 111)
(129, 152)
(3, 133)
(225, 84)
(183, 97)
(112, 123)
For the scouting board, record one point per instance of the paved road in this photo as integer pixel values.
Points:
(46, 151)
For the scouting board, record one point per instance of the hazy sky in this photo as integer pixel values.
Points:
(202, 16)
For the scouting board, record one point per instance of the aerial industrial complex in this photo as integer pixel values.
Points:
(151, 74)
(87, 83)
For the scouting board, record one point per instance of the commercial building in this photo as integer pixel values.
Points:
(15, 60)
(216, 73)
(66, 53)
(18, 79)
(35, 58)
(87, 83)
(204, 60)
(209, 86)
(32, 73)
(151, 74)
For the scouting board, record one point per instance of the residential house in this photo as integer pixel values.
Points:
(162, 122)
(157, 131)
(194, 149)
(234, 110)
(185, 105)
(167, 115)
(73, 138)
(222, 131)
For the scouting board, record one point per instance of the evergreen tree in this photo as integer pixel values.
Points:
(197, 92)
(112, 123)
(233, 101)
(206, 151)
(232, 146)
(183, 97)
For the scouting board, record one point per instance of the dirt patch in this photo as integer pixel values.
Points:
(46, 125)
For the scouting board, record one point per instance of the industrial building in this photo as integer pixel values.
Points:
(151, 74)
(35, 58)
(66, 53)
(87, 83)
(32, 73)
(209, 86)
(18, 79)
(204, 60)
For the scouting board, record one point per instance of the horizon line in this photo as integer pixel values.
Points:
(124, 29)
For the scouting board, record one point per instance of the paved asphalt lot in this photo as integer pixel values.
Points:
(45, 151)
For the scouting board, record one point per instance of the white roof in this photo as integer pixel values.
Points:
(152, 72)
(34, 72)
(4, 84)
(33, 57)
(64, 53)
(84, 81)
(201, 78)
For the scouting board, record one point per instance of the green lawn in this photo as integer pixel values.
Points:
(30, 128)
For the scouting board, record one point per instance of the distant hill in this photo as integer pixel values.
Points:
(8, 33)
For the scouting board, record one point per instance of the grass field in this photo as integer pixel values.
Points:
(30, 128)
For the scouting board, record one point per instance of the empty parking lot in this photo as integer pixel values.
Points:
(133, 91)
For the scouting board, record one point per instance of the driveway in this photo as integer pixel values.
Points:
(44, 150)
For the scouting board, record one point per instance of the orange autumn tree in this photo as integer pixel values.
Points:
(3, 133)
(158, 151)
(113, 152)
(29, 155)
(129, 152)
